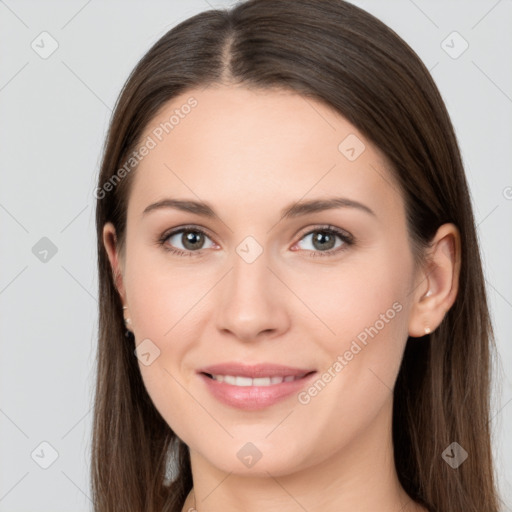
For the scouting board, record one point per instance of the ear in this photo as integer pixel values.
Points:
(116, 263)
(437, 285)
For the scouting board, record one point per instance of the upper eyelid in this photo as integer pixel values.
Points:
(192, 227)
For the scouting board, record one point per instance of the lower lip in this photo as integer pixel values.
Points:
(251, 398)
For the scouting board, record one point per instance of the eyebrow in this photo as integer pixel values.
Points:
(292, 211)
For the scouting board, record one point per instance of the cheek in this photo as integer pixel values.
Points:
(364, 321)
(164, 298)
(166, 311)
(355, 386)
(353, 299)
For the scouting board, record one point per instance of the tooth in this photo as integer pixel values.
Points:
(258, 381)
(229, 379)
(262, 381)
(243, 381)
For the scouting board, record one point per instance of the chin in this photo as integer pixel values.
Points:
(256, 458)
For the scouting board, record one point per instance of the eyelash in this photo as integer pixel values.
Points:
(347, 239)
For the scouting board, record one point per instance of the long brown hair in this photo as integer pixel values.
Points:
(337, 53)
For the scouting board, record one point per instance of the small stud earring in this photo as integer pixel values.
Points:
(427, 330)
(126, 320)
(428, 294)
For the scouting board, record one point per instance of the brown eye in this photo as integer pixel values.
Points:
(192, 240)
(185, 240)
(324, 243)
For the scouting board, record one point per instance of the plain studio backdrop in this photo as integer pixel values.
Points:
(62, 66)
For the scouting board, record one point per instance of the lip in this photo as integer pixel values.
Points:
(251, 398)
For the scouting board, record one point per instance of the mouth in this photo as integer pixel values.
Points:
(241, 381)
(253, 387)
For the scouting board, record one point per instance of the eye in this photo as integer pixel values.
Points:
(323, 241)
(191, 238)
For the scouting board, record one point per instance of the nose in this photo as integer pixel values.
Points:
(252, 301)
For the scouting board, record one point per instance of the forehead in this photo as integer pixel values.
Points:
(226, 142)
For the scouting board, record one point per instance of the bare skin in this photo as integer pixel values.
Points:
(249, 154)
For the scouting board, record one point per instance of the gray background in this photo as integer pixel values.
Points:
(53, 118)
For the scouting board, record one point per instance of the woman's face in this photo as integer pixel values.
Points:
(261, 288)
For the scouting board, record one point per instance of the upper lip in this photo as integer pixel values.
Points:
(254, 371)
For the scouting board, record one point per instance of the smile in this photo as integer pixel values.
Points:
(260, 381)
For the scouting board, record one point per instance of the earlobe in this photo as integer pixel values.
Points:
(439, 283)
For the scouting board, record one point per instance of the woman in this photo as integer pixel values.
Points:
(292, 306)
